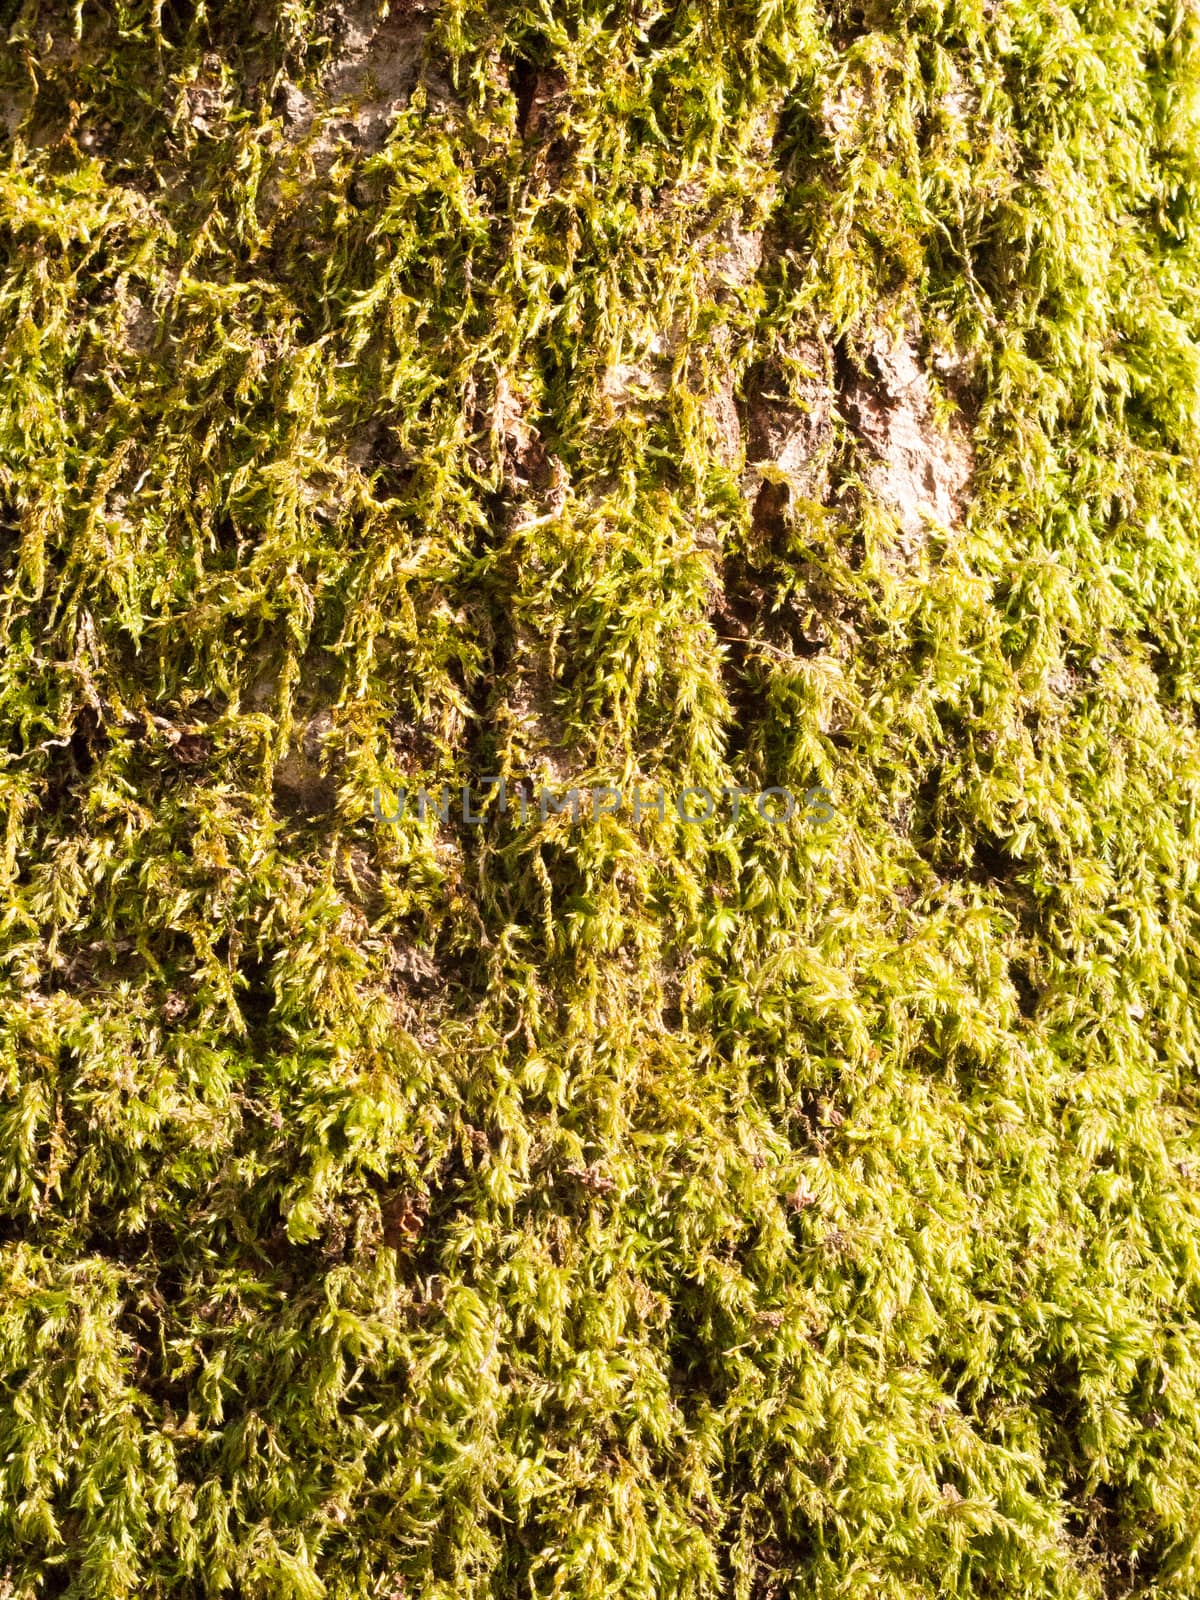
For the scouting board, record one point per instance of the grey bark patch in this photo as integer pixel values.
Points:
(535, 730)
(301, 784)
(729, 254)
(630, 382)
(208, 100)
(539, 111)
(366, 85)
(14, 108)
(143, 320)
(376, 75)
(788, 425)
(735, 267)
(920, 468)
(413, 967)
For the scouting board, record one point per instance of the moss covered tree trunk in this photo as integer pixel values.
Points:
(683, 1194)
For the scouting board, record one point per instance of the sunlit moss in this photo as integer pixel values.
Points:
(601, 1209)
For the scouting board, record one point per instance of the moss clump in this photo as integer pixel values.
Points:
(708, 394)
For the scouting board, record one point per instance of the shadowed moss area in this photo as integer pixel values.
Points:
(714, 394)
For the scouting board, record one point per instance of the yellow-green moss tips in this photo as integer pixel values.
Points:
(711, 396)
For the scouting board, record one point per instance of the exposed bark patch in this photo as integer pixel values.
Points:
(921, 469)
(534, 725)
(208, 100)
(367, 84)
(518, 445)
(788, 422)
(541, 118)
(14, 108)
(626, 382)
(730, 256)
(735, 263)
(413, 973)
(735, 267)
(141, 326)
(301, 784)
(378, 68)
(144, 320)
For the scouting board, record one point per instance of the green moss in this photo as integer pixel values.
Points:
(624, 1209)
